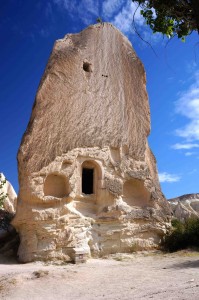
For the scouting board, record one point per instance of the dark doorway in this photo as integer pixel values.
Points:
(87, 180)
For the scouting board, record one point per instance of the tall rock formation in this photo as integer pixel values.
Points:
(87, 177)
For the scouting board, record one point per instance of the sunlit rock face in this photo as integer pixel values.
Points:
(10, 202)
(8, 236)
(87, 177)
(185, 207)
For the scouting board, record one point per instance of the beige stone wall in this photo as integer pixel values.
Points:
(91, 112)
(123, 210)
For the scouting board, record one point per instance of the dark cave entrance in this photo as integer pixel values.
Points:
(87, 181)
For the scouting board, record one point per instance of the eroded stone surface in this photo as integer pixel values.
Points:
(185, 207)
(87, 176)
(10, 201)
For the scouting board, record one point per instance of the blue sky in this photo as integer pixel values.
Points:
(28, 30)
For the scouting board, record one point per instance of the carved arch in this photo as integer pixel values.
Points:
(56, 185)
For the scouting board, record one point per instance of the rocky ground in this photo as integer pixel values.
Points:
(134, 276)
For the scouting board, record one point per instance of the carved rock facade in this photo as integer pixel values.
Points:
(87, 177)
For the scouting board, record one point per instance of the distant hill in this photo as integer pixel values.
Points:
(185, 206)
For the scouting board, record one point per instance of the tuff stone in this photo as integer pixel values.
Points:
(87, 176)
(10, 201)
(185, 206)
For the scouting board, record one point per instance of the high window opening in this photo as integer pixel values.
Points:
(87, 181)
(87, 67)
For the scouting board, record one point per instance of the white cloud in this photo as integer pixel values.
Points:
(67, 4)
(190, 131)
(119, 12)
(84, 9)
(48, 10)
(166, 177)
(193, 172)
(189, 153)
(152, 38)
(111, 7)
(44, 33)
(124, 19)
(185, 146)
(131, 22)
(91, 5)
(188, 106)
(191, 66)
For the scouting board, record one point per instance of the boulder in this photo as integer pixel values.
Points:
(87, 176)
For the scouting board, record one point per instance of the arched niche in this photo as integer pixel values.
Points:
(115, 154)
(135, 193)
(91, 173)
(56, 185)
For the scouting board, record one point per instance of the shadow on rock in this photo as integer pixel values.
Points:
(9, 238)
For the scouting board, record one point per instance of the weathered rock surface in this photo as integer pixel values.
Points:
(185, 207)
(87, 176)
(9, 239)
(10, 201)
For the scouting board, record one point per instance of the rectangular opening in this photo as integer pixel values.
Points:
(87, 181)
